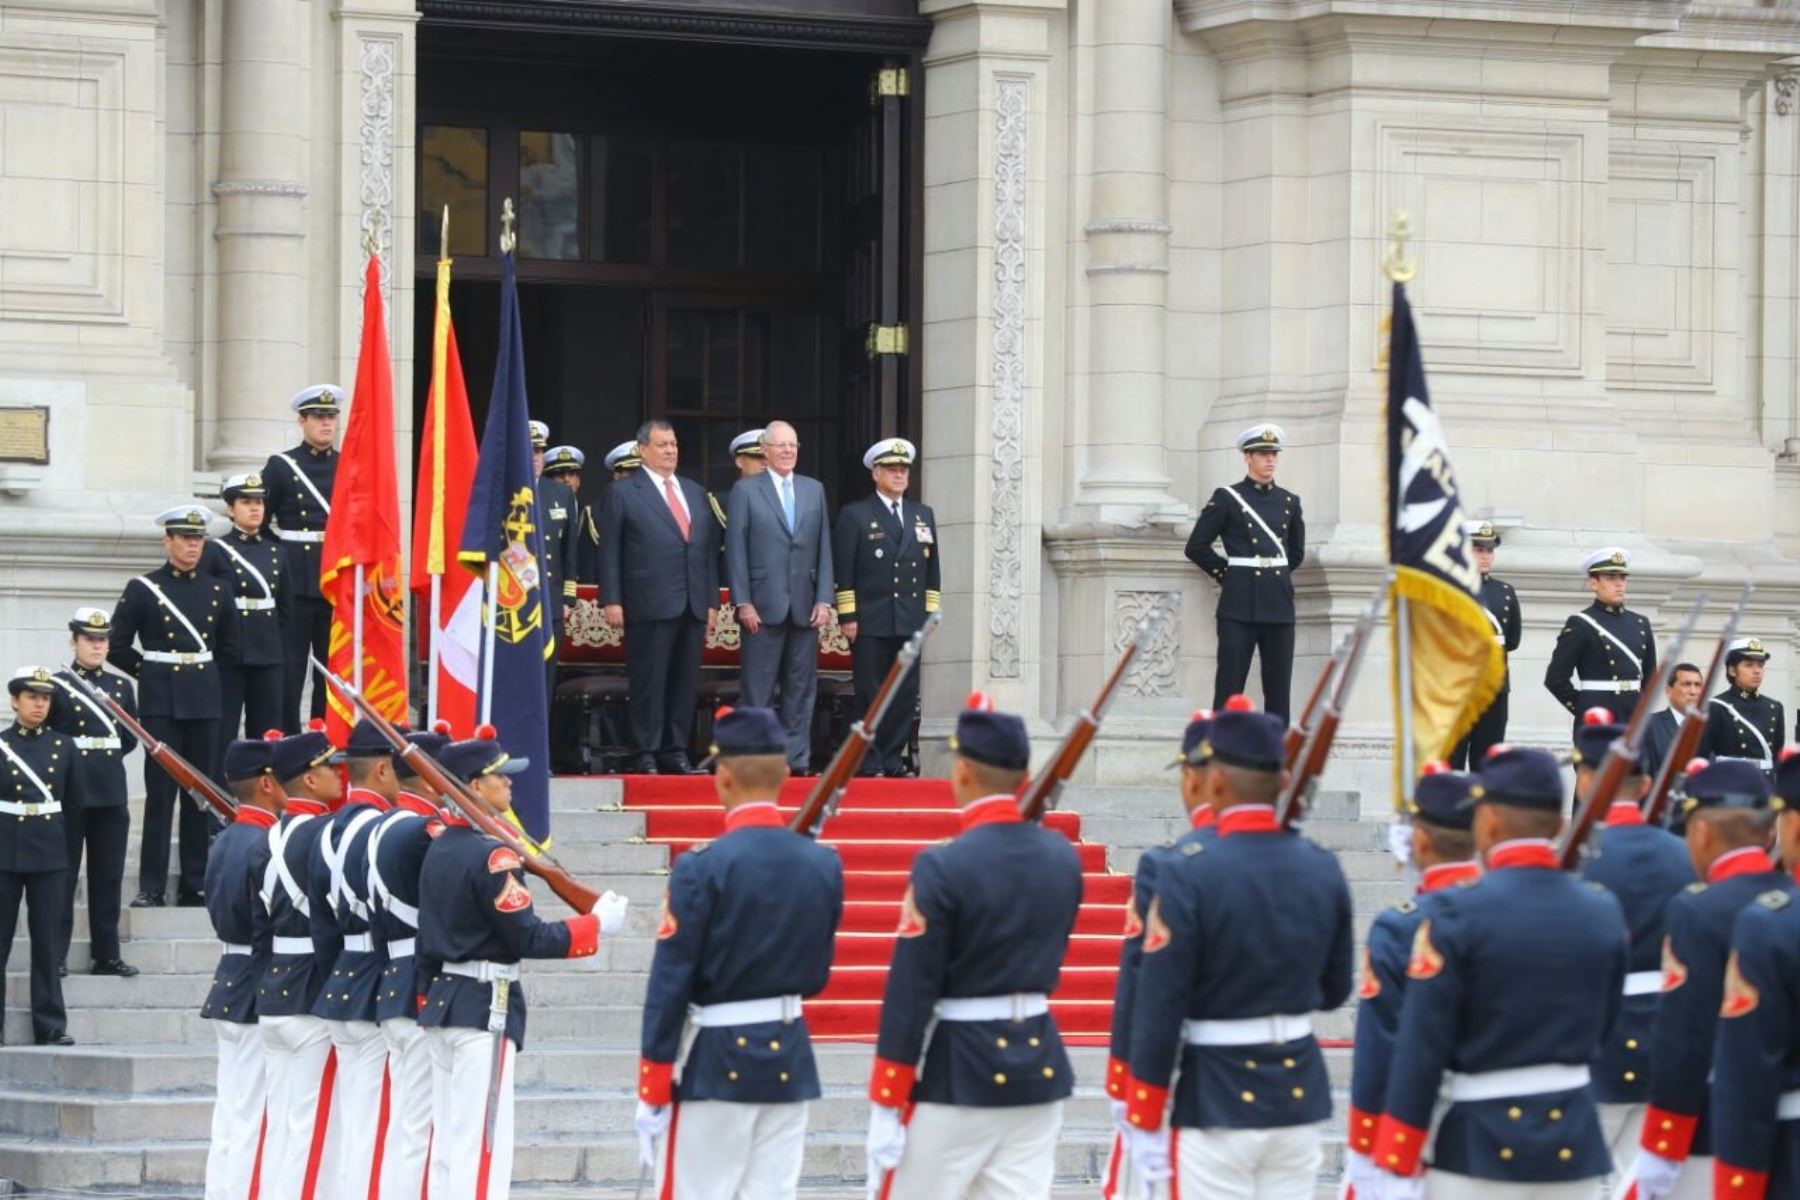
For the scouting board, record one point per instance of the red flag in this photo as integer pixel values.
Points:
(446, 469)
(363, 531)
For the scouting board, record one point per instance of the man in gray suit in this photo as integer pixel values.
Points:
(778, 566)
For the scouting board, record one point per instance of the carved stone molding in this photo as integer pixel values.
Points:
(1785, 88)
(664, 20)
(1006, 564)
(1154, 672)
(376, 136)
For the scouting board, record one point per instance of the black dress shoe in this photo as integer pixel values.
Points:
(643, 764)
(190, 900)
(676, 764)
(55, 1039)
(113, 966)
(148, 900)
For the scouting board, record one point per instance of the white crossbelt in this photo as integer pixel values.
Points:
(250, 603)
(13, 808)
(300, 535)
(1643, 983)
(1788, 1107)
(1768, 752)
(179, 657)
(1518, 1081)
(253, 604)
(483, 970)
(98, 743)
(293, 945)
(1619, 686)
(1015, 1007)
(179, 616)
(1249, 1031)
(1281, 558)
(278, 870)
(379, 892)
(359, 943)
(401, 948)
(1256, 562)
(306, 481)
(50, 803)
(745, 1012)
(80, 695)
(230, 948)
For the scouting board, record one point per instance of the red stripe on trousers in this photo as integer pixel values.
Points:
(425, 1181)
(262, 1135)
(1174, 1163)
(321, 1126)
(487, 1149)
(381, 1124)
(887, 1179)
(668, 1187)
(1110, 1188)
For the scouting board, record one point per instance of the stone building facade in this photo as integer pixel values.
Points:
(1146, 224)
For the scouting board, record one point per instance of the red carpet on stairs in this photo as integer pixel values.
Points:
(880, 827)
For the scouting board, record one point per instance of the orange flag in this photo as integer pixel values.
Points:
(362, 537)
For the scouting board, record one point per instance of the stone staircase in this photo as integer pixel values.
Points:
(126, 1111)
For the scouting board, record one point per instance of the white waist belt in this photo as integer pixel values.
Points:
(483, 970)
(358, 943)
(1643, 983)
(13, 808)
(1788, 1108)
(401, 948)
(180, 657)
(745, 1012)
(230, 948)
(1761, 764)
(1620, 686)
(300, 535)
(1250, 1031)
(1015, 1007)
(254, 604)
(98, 743)
(293, 945)
(1518, 1081)
(1279, 560)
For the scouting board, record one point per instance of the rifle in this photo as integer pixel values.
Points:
(201, 790)
(1322, 732)
(821, 803)
(1297, 730)
(1047, 785)
(1693, 721)
(1622, 755)
(576, 894)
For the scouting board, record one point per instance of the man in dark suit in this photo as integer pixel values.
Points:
(659, 581)
(1683, 693)
(778, 564)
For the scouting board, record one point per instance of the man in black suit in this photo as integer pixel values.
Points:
(659, 581)
(778, 564)
(1683, 693)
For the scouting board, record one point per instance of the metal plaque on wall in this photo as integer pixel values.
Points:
(25, 435)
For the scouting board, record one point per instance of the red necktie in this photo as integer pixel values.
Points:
(681, 518)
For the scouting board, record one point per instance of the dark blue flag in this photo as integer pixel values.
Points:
(503, 543)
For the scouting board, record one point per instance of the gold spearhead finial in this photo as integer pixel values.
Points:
(1394, 264)
(371, 234)
(508, 238)
(444, 237)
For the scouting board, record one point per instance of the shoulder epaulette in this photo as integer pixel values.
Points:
(1191, 848)
(1408, 905)
(698, 847)
(1469, 883)
(1694, 889)
(1776, 899)
(1596, 887)
(718, 512)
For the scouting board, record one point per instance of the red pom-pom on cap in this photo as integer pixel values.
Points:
(316, 725)
(1240, 703)
(1201, 714)
(273, 735)
(1436, 766)
(486, 733)
(1498, 748)
(979, 702)
(1696, 765)
(441, 726)
(724, 710)
(1787, 752)
(1597, 716)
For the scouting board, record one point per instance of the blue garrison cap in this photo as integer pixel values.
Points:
(1253, 740)
(995, 738)
(1787, 778)
(1193, 738)
(1728, 783)
(246, 758)
(470, 760)
(1441, 798)
(1520, 777)
(296, 755)
(745, 731)
(366, 741)
(431, 742)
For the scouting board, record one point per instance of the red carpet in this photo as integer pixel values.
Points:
(881, 825)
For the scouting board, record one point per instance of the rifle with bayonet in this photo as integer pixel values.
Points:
(821, 802)
(202, 791)
(1041, 793)
(1622, 755)
(1693, 721)
(1321, 731)
(1299, 727)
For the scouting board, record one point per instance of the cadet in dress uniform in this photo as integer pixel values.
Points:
(885, 553)
(560, 523)
(37, 777)
(299, 1160)
(1443, 849)
(340, 878)
(984, 927)
(188, 628)
(746, 935)
(1501, 603)
(234, 878)
(395, 851)
(1201, 829)
(476, 922)
(621, 461)
(100, 821)
(250, 561)
(1756, 1067)
(299, 483)
(1264, 536)
(1242, 944)
(1644, 867)
(1511, 986)
(1728, 824)
(1605, 652)
(747, 457)
(1741, 722)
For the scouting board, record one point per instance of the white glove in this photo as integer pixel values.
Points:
(1149, 1150)
(1367, 1181)
(1119, 1109)
(1399, 840)
(887, 1141)
(652, 1123)
(610, 908)
(1655, 1175)
(1396, 1187)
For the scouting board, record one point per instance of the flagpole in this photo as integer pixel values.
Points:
(439, 413)
(431, 645)
(356, 635)
(487, 641)
(1398, 269)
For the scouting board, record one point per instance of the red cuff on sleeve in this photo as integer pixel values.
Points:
(1361, 1131)
(891, 1083)
(1397, 1146)
(1736, 1183)
(656, 1082)
(1118, 1078)
(1668, 1134)
(1145, 1105)
(584, 935)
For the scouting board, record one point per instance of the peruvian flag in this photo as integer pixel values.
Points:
(446, 469)
(360, 571)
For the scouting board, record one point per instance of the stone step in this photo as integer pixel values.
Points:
(1094, 801)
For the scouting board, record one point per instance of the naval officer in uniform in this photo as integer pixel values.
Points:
(1264, 536)
(37, 767)
(1501, 604)
(1742, 722)
(1605, 652)
(250, 561)
(298, 483)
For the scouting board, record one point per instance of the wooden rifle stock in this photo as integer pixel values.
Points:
(576, 894)
(1693, 722)
(1041, 792)
(822, 801)
(1622, 755)
(1321, 731)
(187, 777)
(1297, 730)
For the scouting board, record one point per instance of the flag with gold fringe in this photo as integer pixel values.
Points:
(1447, 666)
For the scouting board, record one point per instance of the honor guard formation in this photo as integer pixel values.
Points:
(1541, 1020)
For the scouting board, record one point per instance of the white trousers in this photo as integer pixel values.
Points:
(409, 1109)
(1620, 1125)
(360, 1086)
(1247, 1164)
(1442, 1185)
(720, 1151)
(299, 1150)
(465, 1165)
(961, 1153)
(237, 1121)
